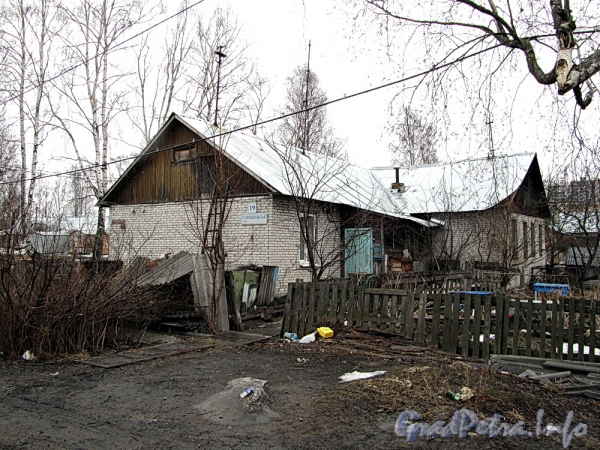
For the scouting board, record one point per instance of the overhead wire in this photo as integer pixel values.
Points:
(267, 121)
(91, 58)
(435, 67)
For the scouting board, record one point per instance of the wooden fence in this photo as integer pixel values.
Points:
(467, 324)
(437, 282)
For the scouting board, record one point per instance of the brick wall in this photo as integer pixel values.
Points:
(493, 236)
(152, 230)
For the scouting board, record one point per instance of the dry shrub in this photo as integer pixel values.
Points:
(55, 306)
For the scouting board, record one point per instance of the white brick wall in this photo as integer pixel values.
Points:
(152, 230)
(489, 236)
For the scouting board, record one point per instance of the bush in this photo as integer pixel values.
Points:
(55, 306)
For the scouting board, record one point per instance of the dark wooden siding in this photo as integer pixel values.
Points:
(530, 198)
(158, 178)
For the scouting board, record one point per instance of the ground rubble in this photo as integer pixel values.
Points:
(193, 399)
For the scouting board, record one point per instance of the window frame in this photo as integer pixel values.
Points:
(179, 149)
(525, 240)
(302, 248)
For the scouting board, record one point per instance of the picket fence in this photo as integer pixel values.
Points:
(468, 324)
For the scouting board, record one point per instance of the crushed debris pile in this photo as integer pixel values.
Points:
(244, 401)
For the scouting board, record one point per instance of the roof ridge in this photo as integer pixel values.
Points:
(448, 163)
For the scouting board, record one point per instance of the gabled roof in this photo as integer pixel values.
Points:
(469, 185)
(578, 256)
(314, 176)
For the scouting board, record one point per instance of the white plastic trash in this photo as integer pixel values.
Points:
(353, 376)
(309, 338)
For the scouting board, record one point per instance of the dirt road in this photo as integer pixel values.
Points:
(155, 404)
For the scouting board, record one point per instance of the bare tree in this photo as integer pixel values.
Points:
(158, 84)
(309, 130)
(574, 196)
(536, 30)
(91, 91)
(9, 178)
(30, 30)
(260, 88)
(235, 74)
(415, 139)
(317, 188)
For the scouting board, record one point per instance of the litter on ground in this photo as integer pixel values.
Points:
(353, 376)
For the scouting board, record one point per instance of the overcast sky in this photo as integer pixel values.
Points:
(350, 57)
(279, 33)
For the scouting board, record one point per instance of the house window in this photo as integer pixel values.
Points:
(513, 233)
(533, 243)
(541, 239)
(307, 226)
(525, 240)
(184, 153)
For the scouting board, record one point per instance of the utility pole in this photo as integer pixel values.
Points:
(305, 146)
(221, 57)
(491, 137)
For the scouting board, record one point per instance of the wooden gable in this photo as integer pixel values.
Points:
(530, 198)
(180, 166)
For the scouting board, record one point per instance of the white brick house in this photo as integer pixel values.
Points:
(161, 203)
(358, 219)
(494, 211)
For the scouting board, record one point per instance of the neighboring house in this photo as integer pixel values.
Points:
(494, 211)
(277, 201)
(575, 208)
(583, 262)
(72, 236)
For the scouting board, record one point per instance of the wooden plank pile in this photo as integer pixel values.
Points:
(571, 377)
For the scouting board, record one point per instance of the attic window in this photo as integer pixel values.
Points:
(184, 153)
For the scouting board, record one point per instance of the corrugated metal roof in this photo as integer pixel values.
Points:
(576, 256)
(577, 222)
(469, 185)
(168, 270)
(288, 171)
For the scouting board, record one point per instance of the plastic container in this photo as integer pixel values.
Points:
(325, 332)
(291, 336)
(247, 392)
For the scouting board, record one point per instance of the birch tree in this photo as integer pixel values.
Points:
(310, 129)
(236, 75)
(159, 81)
(556, 50)
(91, 94)
(29, 34)
(414, 139)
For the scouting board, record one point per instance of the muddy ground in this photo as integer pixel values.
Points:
(157, 404)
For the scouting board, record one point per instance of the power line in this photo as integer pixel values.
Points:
(115, 48)
(274, 119)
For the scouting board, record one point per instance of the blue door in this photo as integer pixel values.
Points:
(358, 250)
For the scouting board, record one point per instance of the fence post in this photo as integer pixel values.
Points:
(295, 308)
(285, 324)
(421, 318)
(594, 306)
(311, 308)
